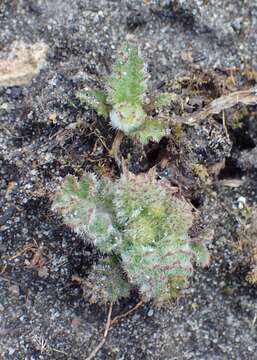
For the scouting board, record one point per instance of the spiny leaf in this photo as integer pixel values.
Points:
(127, 89)
(201, 254)
(106, 282)
(164, 99)
(127, 83)
(97, 99)
(152, 129)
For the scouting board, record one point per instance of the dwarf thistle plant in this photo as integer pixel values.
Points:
(141, 226)
(124, 98)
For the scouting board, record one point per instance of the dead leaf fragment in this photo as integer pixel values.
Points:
(22, 64)
(216, 168)
(234, 183)
(43, 272)
(14, 289)
(52, 117)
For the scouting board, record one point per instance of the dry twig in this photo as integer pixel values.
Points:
(107, 327)
(245, 97)
(110, 322)
(118, 317)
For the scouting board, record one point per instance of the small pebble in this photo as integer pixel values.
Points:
(150, 312)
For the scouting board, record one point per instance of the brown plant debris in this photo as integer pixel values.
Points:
(242, 97)
(246, 97)
(247, 243)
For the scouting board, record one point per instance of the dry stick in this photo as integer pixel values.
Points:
(59, 351)
(3, 269)
(109, 325)
(118, 317)
(245, 97)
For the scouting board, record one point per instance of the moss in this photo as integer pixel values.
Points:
(178, 130)
(201, 172)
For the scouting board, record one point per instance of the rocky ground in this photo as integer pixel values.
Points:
(45, 133)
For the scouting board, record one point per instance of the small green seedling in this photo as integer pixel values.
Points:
(124, 99)
(140, 226)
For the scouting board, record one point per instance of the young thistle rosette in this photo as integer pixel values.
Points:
(142, 224)
(124, 98)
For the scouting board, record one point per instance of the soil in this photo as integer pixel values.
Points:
(199, 49)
